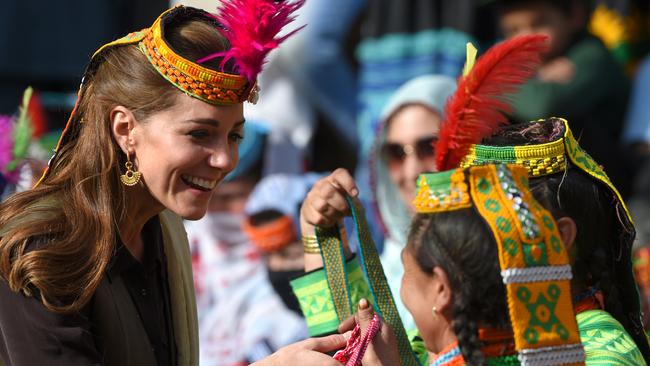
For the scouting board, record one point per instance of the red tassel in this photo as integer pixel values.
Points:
(37, 116)
(479, 106)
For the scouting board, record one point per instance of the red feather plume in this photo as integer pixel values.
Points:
(252, 27)
(478, 107)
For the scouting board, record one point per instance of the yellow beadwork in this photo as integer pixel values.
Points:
(453, 198)
(544, 159)
(540, 160)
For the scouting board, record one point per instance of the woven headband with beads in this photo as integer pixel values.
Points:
(208, 85)
(251, 28)
(534, 263)
(544, 159)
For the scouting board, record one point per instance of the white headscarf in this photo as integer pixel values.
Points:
(431, 91)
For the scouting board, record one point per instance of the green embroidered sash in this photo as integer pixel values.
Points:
(331, 245)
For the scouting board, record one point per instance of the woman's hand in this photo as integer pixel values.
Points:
(310, 352)
(382, 351)
(325, 204)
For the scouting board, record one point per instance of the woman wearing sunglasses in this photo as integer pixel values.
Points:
(402, 151)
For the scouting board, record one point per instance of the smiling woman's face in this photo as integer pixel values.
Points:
(183, 152)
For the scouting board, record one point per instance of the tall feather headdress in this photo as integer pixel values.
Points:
(479, 106)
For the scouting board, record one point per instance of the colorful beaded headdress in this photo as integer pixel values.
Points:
(545, 158)
(534, 263)
(250, 26)
(556, 156)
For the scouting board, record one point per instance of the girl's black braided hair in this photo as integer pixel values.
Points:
(604, 236)
(460, 243)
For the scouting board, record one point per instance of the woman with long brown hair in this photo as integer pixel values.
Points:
(94, 261)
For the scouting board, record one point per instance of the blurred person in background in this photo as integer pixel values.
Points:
(23, 156)
(580, 80)
(623, 27)
(402, 150)
(272, 224)
(15, 138)
(401, 40)
(637, 139)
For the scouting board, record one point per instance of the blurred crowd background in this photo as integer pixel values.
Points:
(323, 95)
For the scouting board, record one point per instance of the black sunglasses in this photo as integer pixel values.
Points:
(393, 152)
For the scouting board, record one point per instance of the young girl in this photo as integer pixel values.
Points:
(599, 231)
(486, 276)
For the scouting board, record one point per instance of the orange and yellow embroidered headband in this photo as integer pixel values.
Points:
(211, 86)
(251, 28)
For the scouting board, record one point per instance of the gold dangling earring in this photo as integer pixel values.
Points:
(434, 311)
(130, 177)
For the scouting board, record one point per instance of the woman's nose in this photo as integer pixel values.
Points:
(224, 157)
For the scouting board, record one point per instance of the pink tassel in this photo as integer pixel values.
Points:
(252, 27)
(356, 346)
(6, 148)
(6, 141)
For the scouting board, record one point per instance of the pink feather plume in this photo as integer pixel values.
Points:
(6, 149)
(252, 27)
(6, 141)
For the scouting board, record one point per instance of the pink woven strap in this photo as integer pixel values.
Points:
(357, 344)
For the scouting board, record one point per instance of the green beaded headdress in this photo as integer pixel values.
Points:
(534, 263)
(545, 158)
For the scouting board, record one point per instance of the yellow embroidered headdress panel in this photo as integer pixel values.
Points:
(534, 263)
(554, 161)
(250, 27)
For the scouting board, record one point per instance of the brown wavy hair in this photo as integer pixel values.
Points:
(57, 239)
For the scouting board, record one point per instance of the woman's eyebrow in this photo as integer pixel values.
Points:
(205, 121)
(212, 122)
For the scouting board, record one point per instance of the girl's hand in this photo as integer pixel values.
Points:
(382, 351)
(325, 204)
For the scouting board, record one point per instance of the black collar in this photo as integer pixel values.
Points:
(123, 260)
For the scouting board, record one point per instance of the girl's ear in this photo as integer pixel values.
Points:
(568, 231)
(441, 287)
